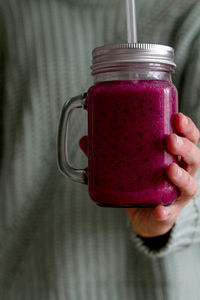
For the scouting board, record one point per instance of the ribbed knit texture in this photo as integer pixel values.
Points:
(55, 243)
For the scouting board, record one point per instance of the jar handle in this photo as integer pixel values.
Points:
(79, 175)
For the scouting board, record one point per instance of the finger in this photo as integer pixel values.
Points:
(160, 213)
(83, 144)
(152, 222)
(183, 147)
(186, 127)
(167, 215)
(183, 181)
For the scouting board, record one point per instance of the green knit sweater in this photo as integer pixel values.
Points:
(55, 243)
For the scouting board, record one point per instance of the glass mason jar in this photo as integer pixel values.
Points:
(130, 113)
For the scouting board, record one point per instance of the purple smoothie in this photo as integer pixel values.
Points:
(128, 122)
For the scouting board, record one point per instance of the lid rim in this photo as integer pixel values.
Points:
(112, 54)
(147, 46)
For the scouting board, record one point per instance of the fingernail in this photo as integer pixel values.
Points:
(184, 120)
(178, 140)
(178, 172)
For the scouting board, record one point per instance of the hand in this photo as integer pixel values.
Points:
(151, 222)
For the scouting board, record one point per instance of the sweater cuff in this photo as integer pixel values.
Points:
(185, 232)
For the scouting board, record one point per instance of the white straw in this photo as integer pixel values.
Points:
(131, 21)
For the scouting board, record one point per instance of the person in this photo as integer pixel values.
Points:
(55, 242)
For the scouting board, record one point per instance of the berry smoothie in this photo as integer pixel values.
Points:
(128, 122)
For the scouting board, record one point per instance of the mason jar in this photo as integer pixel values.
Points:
(130, 113)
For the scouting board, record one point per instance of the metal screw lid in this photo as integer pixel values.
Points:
(110, 56)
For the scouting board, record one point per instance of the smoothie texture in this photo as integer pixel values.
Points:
(128, 122)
